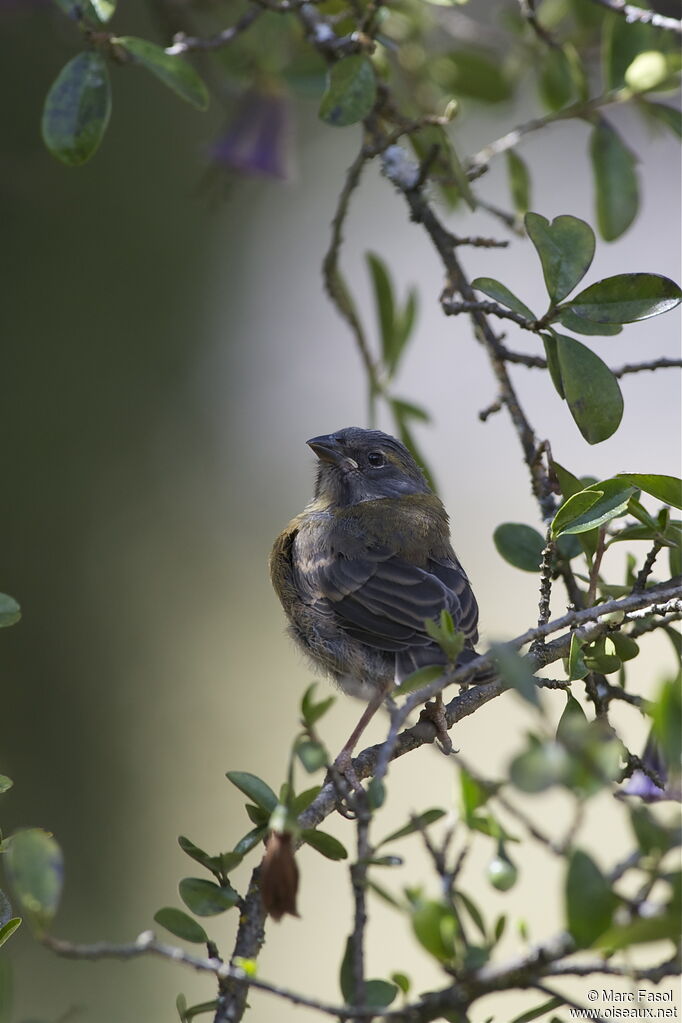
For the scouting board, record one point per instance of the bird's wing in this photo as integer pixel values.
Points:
(382, 600)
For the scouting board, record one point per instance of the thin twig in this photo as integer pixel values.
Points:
(640, 367)
(641, 15)
(486, 413)
(335, 284)
(451, 307)
(530, 15)
(581, 109)
(645, 572)
(185, 44)
(596, 565)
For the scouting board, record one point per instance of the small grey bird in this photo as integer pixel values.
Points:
(363, 566)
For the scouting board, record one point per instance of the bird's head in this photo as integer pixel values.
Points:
(358, 465)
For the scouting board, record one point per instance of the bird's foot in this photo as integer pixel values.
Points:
(342, 770)
(434, 711)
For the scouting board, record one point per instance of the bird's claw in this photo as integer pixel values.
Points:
(434, 711)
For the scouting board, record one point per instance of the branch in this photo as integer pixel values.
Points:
(660, 600)
(233, 990)
(581, 109)
(422, 213)
(639, 367)
(184, 44)
(335, 284)
(655, 974)
(641, 15)
(451, 308)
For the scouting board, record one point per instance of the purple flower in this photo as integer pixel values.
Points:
(255, 141)
(642, 785)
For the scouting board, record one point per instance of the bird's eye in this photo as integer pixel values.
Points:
(376, 459)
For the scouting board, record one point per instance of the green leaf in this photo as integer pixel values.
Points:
(626, 298)
(573, 724)
(255, 788)
(667, 489)
(568, 483)
(516, 674)
(567, 318)
(539, 1010)
(477, 74)
(615, 181)
(435, 926)
(473, 911)
(500, 927)
(566, 250)
(311, 712)
(5, 783)
(10, 612)
(250, 840)
(519, 181)
(669, 116)
(35, 867)
(647, 929)
(550, 343)
(592, 507)
(351, 91)
(407, 410)
(346, 980)
(402, 980)
(104, 9)
(77, 109)
(474, 796)
(589, 900)
(540, 767)
(556, 79)
(172, 70)
(376, 794)
(601, 656)
(379, 993)
(181, 925)
(416, 824)
(206, 898)
(304, 799)
(324, 843)
(405, 320)
(223, 863)
(385, 307)
(626, 648)
(666, 715)
(520, 545)
(312, 755)
(443, 632)
(651, 836)
(500, 293)
(576, 664)
(419, 678)
(8, 929)
(592, 391)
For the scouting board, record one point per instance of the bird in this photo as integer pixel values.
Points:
(365, 564)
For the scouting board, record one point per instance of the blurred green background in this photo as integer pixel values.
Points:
(165, 354)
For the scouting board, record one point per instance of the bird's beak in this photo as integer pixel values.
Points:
(327, 448)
